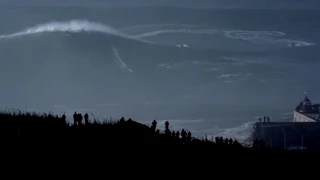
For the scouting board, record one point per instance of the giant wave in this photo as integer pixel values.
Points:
(76, 26)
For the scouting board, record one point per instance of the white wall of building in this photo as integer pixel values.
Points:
(298, 117)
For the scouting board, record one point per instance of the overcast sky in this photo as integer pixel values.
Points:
(283, 4)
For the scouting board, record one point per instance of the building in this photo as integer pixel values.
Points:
(306, 112)
(302, 132)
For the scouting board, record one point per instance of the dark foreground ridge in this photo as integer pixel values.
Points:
(24, 127)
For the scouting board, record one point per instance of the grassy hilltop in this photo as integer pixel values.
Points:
(26, 127)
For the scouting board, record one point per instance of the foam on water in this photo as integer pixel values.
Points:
(253, 36)
(241, 133)
(119, 61)
(264, 36)
(229, 75)
(155, 25)
(183, 45)
(190, 31)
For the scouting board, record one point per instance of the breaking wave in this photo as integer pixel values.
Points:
(87, 26)
(70, 26)
(242, 133)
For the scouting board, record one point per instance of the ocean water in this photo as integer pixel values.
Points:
(214, 72)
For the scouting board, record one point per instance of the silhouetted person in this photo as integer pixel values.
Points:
(236, 143)
(257, 143)
(264, 119)
(80, 119)
(221, 140)
(75, 118)
(154, 125)
(167, 131)
(177, 134)
(64, 117)
(189, 136)
(166, 125)
(217, 140)
(268, 119)
(226, 141)
(183, 135)
(122, 120)
(86, 118)
(173, 134)
(230, 141)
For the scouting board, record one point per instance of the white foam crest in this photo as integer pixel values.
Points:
(212, 69)
(264, 36)
(182, 45)
(69, 26)
(119, 60)
(249, 35)
(247, 60)
(228, 75)
(193, 31)
(229, 81)
(167, 65)
(288, 113)
(240, 133)
(155, 25)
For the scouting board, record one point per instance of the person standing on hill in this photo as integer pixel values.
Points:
(166, 125)
(177, 134)
(183, 135)
(64, 117)
(167, 131)
(154, 126)
(86, 119)
(80, 117)
(75, 118)
(189, 136)
(173, 134)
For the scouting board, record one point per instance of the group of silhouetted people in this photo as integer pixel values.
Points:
(221, 141)
(258, 143)
(77, 118)
(185, 136)
(265, 119)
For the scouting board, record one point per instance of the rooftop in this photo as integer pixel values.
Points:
(286, 124)
(307, 108)
(314, 115)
